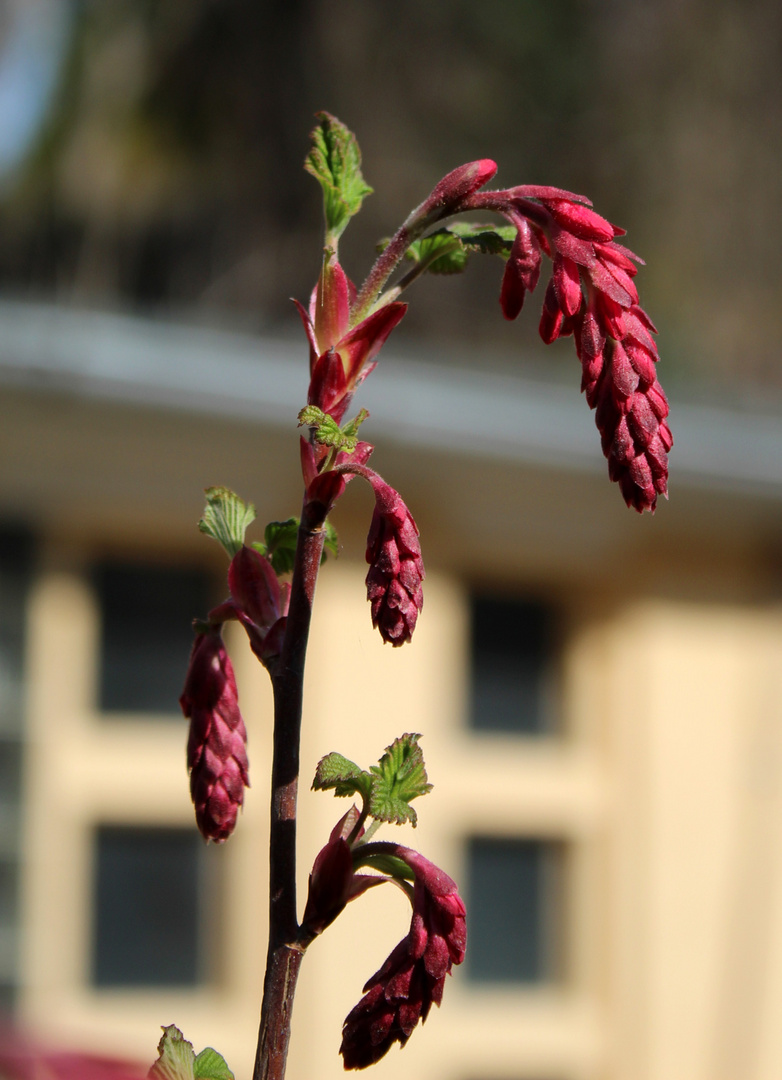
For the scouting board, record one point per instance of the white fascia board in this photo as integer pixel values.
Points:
(260, 379)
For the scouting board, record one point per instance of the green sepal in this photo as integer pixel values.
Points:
(335, 162)
(226, 518)
(397, 779)
(344, 776)
(385, 864)
(176, 1059)
(446, 251)
(209, 1065)
(326, 430)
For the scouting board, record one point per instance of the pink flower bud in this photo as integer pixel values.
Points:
(459, 184)
(216, 747)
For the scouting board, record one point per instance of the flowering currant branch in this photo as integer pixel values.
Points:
(590, 295)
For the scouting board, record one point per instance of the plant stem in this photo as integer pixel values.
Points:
(284, 955)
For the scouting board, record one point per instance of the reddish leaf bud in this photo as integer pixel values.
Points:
(216, 747)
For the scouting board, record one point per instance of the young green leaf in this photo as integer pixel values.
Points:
(398, 778)
(209, 1065)
(176, 1059)
(335, 162)
(226, 518)
(280, 544)
(326, 430)
(446, 251)
(440, 253)
(341, 774)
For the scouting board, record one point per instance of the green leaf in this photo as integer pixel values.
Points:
(484, 239)
(176, 1059)
(209, 1065)
(226, 518)
(341, 774)
(335, 162)
(398, 778)
(280, 539)
(441, 253)
(446, 251)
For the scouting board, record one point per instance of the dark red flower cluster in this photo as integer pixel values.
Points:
(396, 568)
(216, 746)
(412, 979)
(591, 295)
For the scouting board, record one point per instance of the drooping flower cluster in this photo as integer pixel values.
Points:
(216, 745)
(412, 979)
(592, 296)
(396, 568)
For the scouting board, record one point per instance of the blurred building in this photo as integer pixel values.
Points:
(600, 698)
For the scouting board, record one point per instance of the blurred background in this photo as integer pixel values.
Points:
(600, 695)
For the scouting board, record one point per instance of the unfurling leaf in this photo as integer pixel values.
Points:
(335, 162)
(226, 518)
(398, 778)
(344, 776)
(176, 1059)
(326, 430)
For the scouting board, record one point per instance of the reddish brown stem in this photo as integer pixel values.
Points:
(284, 954)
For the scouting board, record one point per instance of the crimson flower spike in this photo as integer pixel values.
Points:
(396, 566)
(591, 295)
(216, 746)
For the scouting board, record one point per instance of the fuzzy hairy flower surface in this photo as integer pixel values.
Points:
(412, 979)
(217, 743)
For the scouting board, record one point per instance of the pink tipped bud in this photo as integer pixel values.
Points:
(522, 270)
(446, 196)
(396, 566)
(216, 747)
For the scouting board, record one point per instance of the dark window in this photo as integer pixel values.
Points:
(150, 903)
(514, 910)
(511, 666)
(146, 634)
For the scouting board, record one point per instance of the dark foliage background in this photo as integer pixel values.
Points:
(168, 176)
